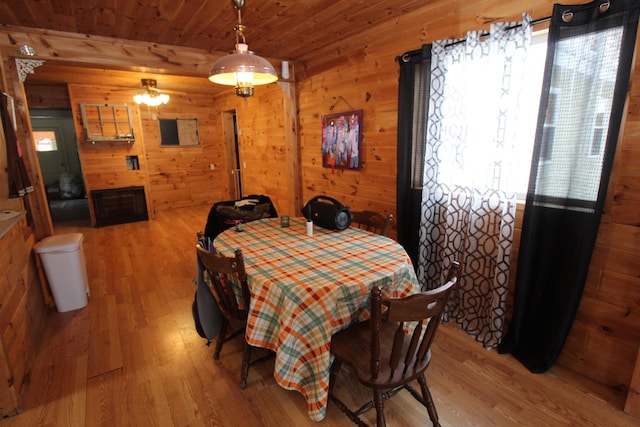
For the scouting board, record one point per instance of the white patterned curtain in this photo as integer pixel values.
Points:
(469, 195)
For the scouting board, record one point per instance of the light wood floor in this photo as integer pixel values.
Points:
(132, 357)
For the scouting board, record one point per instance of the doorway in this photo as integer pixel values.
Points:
(60, 168)
(231, 140)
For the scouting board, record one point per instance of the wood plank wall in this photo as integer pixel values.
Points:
(263, 148)
(186, 171)
(361, 74)
(22, 314)
(182, 176)
(104, 164)
(604, 340)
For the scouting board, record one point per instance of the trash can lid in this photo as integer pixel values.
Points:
(59, 243)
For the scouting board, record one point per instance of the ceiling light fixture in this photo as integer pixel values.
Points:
(242, 68)
(152, 95)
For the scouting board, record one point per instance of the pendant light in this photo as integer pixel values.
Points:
(242, 68)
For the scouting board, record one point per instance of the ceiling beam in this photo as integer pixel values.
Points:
(108, 53)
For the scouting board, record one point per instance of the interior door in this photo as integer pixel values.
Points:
(54, 132)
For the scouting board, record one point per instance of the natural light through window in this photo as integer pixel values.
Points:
(529, 104)
(585, 69)
(482, 77)
(45, 140)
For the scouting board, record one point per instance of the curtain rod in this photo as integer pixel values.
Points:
(416, 52)
(534, 22)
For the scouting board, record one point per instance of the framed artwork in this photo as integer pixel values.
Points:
(342, 140)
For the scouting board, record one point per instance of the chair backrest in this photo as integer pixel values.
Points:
(229, 282)
(225, 214)
(409, 354)
(372, 221)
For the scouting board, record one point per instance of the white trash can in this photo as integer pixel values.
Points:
(63, 260)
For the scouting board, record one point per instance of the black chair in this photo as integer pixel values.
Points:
(226, 214)
(384, 357)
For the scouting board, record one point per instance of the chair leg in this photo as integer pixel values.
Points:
(220, 340)
(335, 368)
(431, 407)
(244, 372)
(378, 401)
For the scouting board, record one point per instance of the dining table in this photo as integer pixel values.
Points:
(305, 288)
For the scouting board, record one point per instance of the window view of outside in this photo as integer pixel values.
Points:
(582, 95)
(515, 177)
(45, 140)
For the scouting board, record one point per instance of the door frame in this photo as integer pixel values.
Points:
(232, 153)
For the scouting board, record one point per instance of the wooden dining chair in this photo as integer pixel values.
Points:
(372, 221)
(231, 290)
(384, 357)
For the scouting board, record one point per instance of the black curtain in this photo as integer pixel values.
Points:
(413, 107)
(572, 160)
(19, 182)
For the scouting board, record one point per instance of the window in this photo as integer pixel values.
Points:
(577, 118)
(179, 132)
(600, 127)
(577, 110)
(549, 128)
(104, 122)
(45, 140)
(594, 116)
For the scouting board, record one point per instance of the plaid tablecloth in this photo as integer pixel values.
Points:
(304, 289)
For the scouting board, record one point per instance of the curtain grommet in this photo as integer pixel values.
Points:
(567, 16)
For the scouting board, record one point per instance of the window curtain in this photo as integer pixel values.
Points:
(586, 77)
(469, 197)
(413, 102)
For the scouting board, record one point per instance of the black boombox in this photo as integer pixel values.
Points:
(331, 215)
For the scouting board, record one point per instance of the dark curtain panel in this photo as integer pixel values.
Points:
(19, 182)
(586, 78)
(413, 106)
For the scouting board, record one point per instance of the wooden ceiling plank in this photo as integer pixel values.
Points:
(313, 31)
(21, 13)
(126, 11)
(86, 19)
(178, 15)
(62, 8)
(215, 23)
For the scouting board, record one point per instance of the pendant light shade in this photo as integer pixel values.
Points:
(242, 68)
(242, 65)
